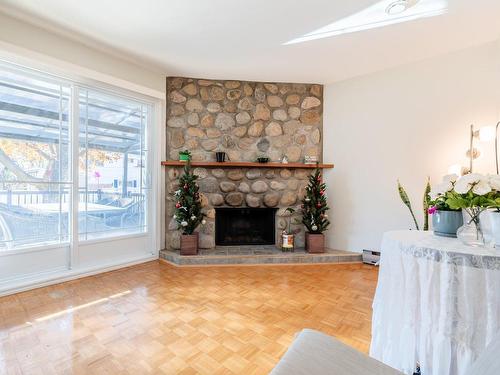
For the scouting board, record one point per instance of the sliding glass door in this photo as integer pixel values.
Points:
(112, 164)
(35, 175)
(75, 175)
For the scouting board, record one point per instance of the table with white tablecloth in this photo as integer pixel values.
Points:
(437, 303)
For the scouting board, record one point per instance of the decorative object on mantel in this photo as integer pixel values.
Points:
(220, 156)
(287, 236)
(445, 221)
(284, 159)
(406, 201)
(184, 156)
(262, 159)
(188, 213)
(474, 193)
(314, 216)
(310, 159)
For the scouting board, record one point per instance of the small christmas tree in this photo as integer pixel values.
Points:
(314, 205)
(188, 213)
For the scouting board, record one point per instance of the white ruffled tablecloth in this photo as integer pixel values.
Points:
(437, 303)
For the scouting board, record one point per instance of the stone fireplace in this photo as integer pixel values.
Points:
(246, 120)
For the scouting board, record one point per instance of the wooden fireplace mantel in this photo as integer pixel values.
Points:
(243, 164)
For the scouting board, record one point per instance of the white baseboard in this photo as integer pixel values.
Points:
(59, 276)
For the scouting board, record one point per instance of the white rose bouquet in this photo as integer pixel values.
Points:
(441, 192)
(474, 193)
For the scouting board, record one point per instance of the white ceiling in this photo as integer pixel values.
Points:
(236, 39)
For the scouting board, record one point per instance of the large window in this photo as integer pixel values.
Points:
(112, 165)
(40, 163)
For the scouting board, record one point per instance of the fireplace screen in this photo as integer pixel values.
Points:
(245, 226)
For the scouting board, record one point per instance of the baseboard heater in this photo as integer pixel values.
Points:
(371, 257)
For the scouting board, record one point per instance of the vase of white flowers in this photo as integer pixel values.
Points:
(445, 220)
(474, 193)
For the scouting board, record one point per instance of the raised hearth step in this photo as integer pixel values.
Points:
(258, 255)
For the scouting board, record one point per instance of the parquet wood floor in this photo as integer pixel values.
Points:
(159, 319)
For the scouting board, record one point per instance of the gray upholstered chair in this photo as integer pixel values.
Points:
(314, 353)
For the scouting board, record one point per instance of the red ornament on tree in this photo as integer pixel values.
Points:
(318, 205)
(177, 205)
(322, 192)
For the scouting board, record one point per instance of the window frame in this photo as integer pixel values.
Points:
(154, 175)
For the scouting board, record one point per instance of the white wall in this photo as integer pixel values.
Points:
(24, 39)
(408, 123)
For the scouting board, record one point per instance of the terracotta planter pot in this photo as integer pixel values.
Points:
(315, 243)
(189, 244)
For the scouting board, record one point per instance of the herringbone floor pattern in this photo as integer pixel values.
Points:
(158, 319)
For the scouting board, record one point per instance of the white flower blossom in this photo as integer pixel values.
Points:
(440, 189)
(481, 188)
(476, 182)
(450, 177)
(494, 181)
(193, 218)
(184, 223)
(465, 183)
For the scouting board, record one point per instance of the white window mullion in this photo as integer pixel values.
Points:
(75, 196)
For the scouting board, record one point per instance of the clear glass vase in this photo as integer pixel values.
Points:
(471, 233)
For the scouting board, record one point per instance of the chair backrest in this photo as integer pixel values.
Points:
(488, 362)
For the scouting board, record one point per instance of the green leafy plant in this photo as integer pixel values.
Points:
(439, 193)
(188, 213)
(184, 155)
(426, 204)
(406, 200)
(314, 205)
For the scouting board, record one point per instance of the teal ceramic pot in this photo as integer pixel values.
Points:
(446, 223)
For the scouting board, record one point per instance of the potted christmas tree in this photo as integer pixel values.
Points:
(188, 213)
(314, 215)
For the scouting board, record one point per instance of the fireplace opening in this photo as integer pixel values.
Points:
(245, 226)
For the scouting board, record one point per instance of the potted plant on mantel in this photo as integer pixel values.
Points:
(185, 156)
(188, 213)
(445, 220)
(314, 215)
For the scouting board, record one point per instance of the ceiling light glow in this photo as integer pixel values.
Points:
(378, 15)
(399, 6)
